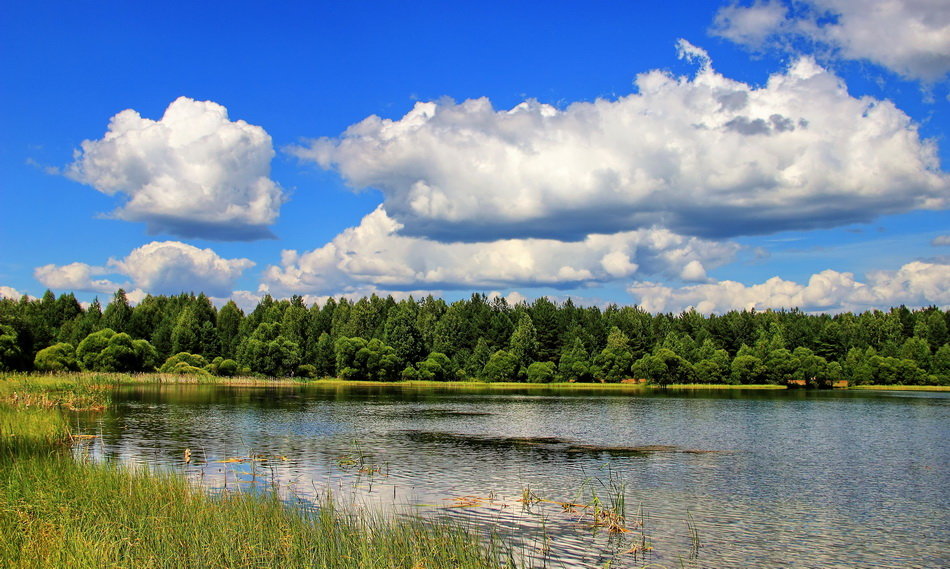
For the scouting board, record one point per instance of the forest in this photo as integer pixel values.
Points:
(481, 339)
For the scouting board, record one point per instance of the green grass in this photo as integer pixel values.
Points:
(724, 386)
(58, 511)
(903, 387)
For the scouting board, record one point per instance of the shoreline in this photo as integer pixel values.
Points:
(103, 380)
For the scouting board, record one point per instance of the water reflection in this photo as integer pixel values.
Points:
(720, 478)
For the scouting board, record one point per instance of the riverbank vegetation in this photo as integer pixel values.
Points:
(481, 338)
(60, 511)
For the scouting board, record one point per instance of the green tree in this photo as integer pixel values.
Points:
(294, 324)
(780, 366)
(341, 316)
(429, 314)
(184, 363)
(10, 352)
(186, 333)
(715, 369)
(118, 314)
(501, 366)
(228, 327)
(524, 342)
(475, 363)
(615, 360)
(918, 350)
(857, 368)
(402, 334)
(345, 350)
(56, 358)
(323, 357)
(664, 367)
(544, 318)
(941, 364)
(109, 351)
(266, 352)
(541, 372)
(436, 367)
(450, 334)
(747, 370)
(808, 366)
(575, 362)
(225, 367)
(378, 362)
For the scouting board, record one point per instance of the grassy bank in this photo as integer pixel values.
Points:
(903, 387)
(57, 511)
(86, 384)
(724, 386)
(93, 381)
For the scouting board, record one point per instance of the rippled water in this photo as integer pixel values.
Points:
(717, 478)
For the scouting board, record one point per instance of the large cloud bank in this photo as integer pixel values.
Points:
(706, 156)
(910, 37)
(917, 283)
(159, 267)
(375, 253)
(193, 173)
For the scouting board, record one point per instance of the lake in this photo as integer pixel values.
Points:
(718, 478)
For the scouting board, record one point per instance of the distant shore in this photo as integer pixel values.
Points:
(95, 378)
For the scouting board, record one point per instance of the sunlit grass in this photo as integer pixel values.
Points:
(724, 386)
(58, 511)
(903, 387)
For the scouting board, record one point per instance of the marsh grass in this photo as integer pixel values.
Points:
(902, 387)
(725, 386)
(60, 511)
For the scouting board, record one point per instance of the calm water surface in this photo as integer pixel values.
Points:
(708, 478)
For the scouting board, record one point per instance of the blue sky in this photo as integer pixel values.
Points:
(716, 155)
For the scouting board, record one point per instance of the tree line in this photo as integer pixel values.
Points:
(481, 338)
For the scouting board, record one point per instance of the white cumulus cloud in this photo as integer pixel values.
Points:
(940, 240)
(76, 276)
(159, 267)
(10, 292)
(193, 173)
(375, 254)
(917, 283)
(706, 156)
(909, 37)
(171, 267)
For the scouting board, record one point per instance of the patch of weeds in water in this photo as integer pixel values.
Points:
(528, 498)
(550, 444)
(436, 413)
(693, 536)
(360, 462)
(642, 450)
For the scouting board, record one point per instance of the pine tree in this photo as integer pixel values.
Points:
(185, 335)
(118, 314)
(228, 328)
(574, 364)
(615, 361)
(524, 342)
(402, 334)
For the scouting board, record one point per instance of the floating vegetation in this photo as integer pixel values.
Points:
(551, 444)
(360, 461)
(643, 450)
(435, 413)
(251, 458)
